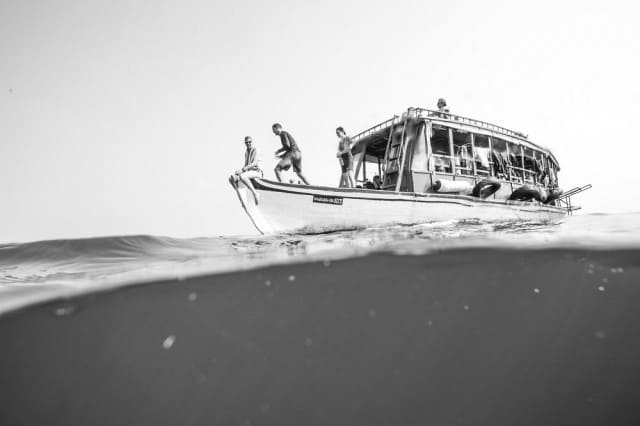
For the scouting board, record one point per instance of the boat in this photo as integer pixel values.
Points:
(433, 166)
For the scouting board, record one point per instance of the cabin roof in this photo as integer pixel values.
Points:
(381, 131)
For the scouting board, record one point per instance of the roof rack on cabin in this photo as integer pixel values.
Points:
(428, 113)
(375, 129)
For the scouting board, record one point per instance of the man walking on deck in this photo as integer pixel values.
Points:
(289, 154)
(251, 169)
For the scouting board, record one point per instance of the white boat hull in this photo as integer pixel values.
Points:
(313, 209)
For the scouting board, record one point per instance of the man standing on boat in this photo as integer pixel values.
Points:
(251, 168)
(346, 159)
(289, 154)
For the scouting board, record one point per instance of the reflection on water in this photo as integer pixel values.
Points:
(101, 262)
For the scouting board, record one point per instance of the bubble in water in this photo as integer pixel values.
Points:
(64, 311)
(466, 307)
(600, 334)
(327, 263)
(605, 280)
(536, 290)
(292, 277)
(372, 313)
(601, 288)
(193, 297)
(267, 283)
(168, 342)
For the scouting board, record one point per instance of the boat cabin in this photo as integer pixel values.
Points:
(420, 149)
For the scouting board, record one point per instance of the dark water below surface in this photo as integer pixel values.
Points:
(450, 323)
(39, 270)
(470, 336)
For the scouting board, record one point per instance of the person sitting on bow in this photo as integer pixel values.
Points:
(250, 170)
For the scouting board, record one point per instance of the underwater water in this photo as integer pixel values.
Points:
(459, 322)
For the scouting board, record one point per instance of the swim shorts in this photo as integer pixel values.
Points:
(291, 158)
(346, 163)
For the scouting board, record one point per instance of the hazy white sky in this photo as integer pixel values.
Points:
(125, 117)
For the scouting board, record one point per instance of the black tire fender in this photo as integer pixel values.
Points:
(527, 193)
(486, 187)
(553, 194)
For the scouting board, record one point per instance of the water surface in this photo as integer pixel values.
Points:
(39, 270)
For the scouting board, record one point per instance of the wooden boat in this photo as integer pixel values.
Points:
(433, 166)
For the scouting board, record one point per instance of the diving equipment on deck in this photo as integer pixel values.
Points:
(452, 186)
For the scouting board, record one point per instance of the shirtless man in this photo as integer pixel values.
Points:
(346, 159)
(289, 154)
(251, 169)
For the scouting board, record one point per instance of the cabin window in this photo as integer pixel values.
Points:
(420, 161)
(529, 165)
(515, 159)
(441, 150)
(542, 175)
(500, 158)
(462, 152)
(553, 177)
(482, 154)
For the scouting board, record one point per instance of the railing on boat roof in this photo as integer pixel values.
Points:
(375, 129)
(428, 113)
(431, 114)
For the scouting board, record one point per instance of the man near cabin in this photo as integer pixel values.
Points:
(250, 170)
(443, 109)
(289, 154)
(346, 159)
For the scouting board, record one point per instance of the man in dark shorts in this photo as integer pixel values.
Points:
(346, 159)
(289, 154)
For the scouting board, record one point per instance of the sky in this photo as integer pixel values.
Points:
(126, 117)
